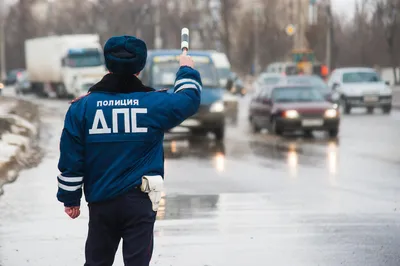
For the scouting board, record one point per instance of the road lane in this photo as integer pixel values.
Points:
(255, 200)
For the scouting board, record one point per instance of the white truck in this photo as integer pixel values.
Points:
(223, 66)
(64, 66)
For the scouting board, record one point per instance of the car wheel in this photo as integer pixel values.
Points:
(333, 133)
(219, 134)
(370, 110)
(254, 127)
(274, 128)
(198, 132)
(346, 106)
(387, 109)
(308, 133)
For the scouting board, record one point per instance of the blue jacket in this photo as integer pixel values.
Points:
(114, 135)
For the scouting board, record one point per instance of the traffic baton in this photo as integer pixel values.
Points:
(185, 40)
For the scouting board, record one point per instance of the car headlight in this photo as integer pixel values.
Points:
(1, 86)
(291, 114)
(331, 113)
(217, 107)
(387, 90)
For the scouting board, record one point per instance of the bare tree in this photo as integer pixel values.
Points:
(20, 26)
(370, 38)
(274, 44)
(227, 11)
(388, 14)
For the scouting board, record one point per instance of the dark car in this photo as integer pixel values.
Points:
(315, 81)
(291, 108)
(160, 73)
(13, 75)
(235, 85)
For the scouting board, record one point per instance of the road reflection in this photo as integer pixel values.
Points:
(295, 153)
(292, 159)
(176, 207)
(198, 149)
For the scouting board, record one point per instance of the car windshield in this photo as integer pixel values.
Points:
(13, 73)
(297, 94)
(89, 59)
(291, 70)
(270, 80)
(164, 72)
(355, 77)
(312, 81)
(224, 73)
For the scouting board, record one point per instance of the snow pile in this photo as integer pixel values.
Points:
(20, 125)
(5, 107)
(7, 151)
(11, 143)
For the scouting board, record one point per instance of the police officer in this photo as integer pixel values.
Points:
(111, 142)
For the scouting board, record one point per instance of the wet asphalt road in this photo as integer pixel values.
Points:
(254, 200)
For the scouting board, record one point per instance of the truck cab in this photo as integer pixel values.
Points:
(160, 73)
(81, 66)
(229, 81)
(59, 65)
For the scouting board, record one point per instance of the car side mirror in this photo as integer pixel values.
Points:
(335, 86)
(63, 62)
(387, 83)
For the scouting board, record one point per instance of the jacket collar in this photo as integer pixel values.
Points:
(115, 83)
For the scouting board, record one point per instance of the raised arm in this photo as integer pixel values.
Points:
(185, 100)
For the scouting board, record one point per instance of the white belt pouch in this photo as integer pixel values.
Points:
(153, 185)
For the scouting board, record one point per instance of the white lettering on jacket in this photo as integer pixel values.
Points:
(125, 102)
(130, 115)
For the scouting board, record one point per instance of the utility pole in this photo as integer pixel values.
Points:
(256, 40)
(158, 39)
(293, 21)
(3, 15)
(300, 25)
(329, 35)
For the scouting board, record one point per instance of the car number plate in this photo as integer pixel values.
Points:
(312, 122)
(371, 99)
(190, 123)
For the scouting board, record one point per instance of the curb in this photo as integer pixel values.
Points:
(19, 133)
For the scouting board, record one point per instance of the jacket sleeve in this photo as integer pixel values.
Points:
(185, 100)
(71, 162)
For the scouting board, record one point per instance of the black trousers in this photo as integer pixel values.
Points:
(129, 217)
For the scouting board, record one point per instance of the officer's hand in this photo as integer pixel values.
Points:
(185, 60)
(73, 212)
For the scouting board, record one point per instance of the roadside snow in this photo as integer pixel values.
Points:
(5, 106)
(11, 142)
(7, 151)
(19, 124)
(14, 139)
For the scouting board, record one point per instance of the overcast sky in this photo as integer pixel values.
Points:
(344, 6)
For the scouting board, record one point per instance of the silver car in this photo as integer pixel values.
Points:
(361, 87)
